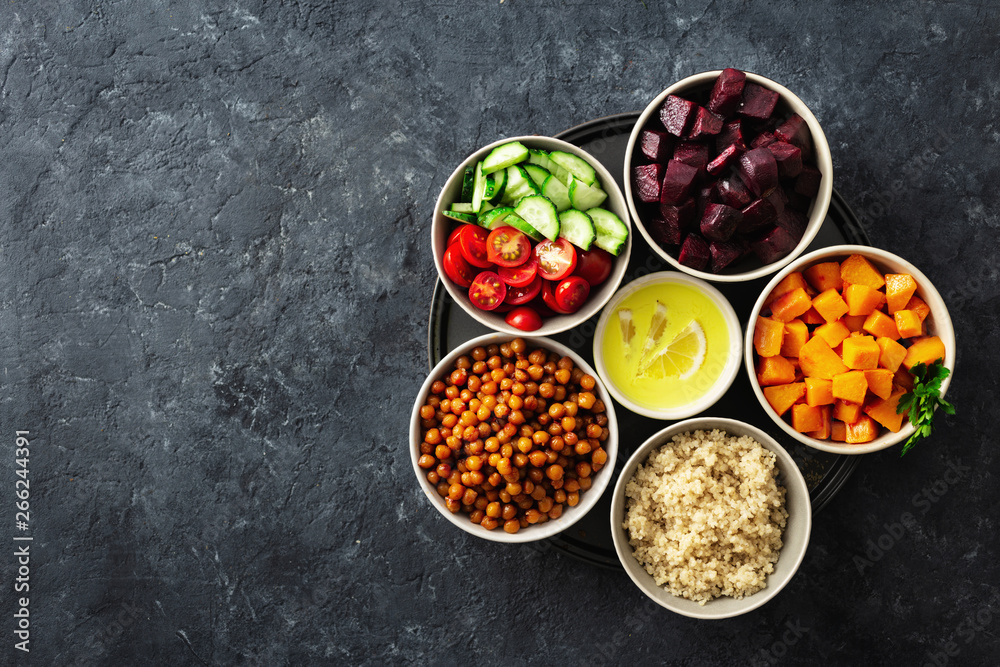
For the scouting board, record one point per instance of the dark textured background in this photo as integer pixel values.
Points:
(214, 278)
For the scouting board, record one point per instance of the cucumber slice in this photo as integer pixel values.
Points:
(479, 187)
(576, 227)
(462, 207)
(543, 160)
(494, 218)
(584, 196)
(499, 185)
(557, 193)
(537, 174)
(611, 231)
(467, 181)
(522, 225)
(519, 185)
(541, 214)
(461, 217)
(577, 166)
(505, 156)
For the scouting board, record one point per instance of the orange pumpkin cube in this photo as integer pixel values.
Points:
(908, 323)
(796, 335)
(857, 270)
(846, 412)
(862, 299)
(927, 350)
(919, 306)
(824, 276)
(851, 386)
(774, 370)
(880, 325)
(891, 353)
(838, 431)
(767, 336)
(884, 412)
(818, 359)
(783, 396)
(811, 317)
(861, 352)
(789, 306)
(854, 322)
(833, 333)
(819, 391)
(823, 432)
(806, 418)
(789, 283)
(899, 287)
(879, 382)
(863, 430)
(830, 305)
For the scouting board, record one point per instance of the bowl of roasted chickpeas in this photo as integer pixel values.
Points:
(513, 440)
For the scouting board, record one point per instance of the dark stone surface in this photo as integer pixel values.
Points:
(214, 276)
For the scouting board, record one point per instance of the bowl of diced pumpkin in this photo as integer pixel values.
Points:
(831, 341)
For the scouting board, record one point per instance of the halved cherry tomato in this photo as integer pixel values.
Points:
(487, 291)
(519, 295)
(571, 293)
(548, 297)
(524, 318)
(460, 271)
(556, 259)
(472, 241)
(519, 276)
(454, 235)
(593, 265)
(506, 246)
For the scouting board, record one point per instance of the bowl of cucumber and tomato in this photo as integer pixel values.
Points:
(531, 234)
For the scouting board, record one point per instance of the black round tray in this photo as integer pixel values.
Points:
(590, 538)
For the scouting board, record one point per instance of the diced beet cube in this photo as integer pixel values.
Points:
(795, 131)
(763, 140)
(800, 203)
(685, 213)
(646, 178)
(704, 198)
(793, 222)
(694, 252)
(725, 253)
(676, 114)
(788, 157)
(756, 215)
(774, 245)
(732, 192)
(758, 170)
(727, 92)
(705, 124)
(669, 227)
(677, 180)
(692, 153)
(758, 101)
(719, 222)
(655, 145)
(778, 199)
(807, 182)
(731, 134)
(723, 160)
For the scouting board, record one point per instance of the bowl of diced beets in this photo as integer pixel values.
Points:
(728, 175)
(531, 234)
(831, 341)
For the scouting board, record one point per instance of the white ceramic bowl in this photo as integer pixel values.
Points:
(795, 538)
(570, 515)
(441, 227)
(787, 102)
(729, 371)
(938, 323)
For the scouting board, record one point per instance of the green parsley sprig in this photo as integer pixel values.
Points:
(924, 399)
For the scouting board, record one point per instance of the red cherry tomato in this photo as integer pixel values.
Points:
(454, 235)
(506, 246)
(548, 297)
(472, 241)
(556, 259)
(520, 295)
(571, 293)
(524, 318)
(457, 269)
(519, 276)
(593, 265)
(487, 291)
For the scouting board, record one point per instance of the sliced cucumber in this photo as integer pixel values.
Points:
(577, 228)
(494, 218)
(536, 173)
(611, 231)
(499, 185)
(505, 156)
(541, 214)
(519, 185)
(557, 193)
(461, 217)
(462, 207)
(522, 225)
(577, 166)
(543, 160)
(584, 196)
(467, 181)
(479, 187)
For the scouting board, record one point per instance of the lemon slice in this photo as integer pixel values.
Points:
(657, 324)
(627, 327)
(682, 357)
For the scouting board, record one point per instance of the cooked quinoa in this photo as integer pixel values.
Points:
(705, 515)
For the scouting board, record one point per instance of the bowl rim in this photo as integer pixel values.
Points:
(557, 323)
(570, 514)
(941, 318)
(791, 478)
(824, 162)
(729, 371)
